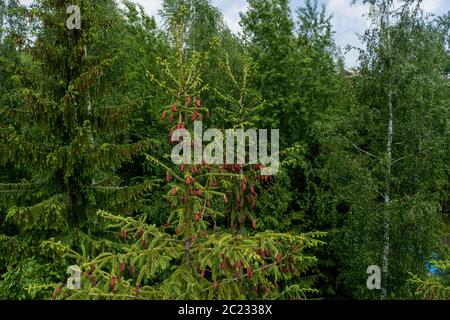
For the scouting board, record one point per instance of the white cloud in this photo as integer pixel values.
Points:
(151, 7)
(231, 13)
(435, 6)
(348, 20)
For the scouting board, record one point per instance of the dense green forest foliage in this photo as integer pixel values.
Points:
(86, 177)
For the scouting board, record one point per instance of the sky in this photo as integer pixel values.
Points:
(348, 20)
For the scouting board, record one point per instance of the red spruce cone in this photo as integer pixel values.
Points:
(140, 232)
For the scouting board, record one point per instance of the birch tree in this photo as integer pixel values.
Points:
(386, 172)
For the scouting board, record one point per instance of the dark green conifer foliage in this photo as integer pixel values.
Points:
(68, 133)
(196, 254)
(86, 176)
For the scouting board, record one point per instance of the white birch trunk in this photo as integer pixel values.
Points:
(387, 198)
(390, 132)
(89, 103)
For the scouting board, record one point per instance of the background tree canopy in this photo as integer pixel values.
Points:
(86, 120)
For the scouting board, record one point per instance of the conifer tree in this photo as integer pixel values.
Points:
(270, 30)
(435, 287)
(195, 255)
(69, 134)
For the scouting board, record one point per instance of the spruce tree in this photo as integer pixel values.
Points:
(196, 254)
(68, 136)
(270, 30)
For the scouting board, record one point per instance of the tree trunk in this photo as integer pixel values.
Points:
(390, 132)
(89, 107)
